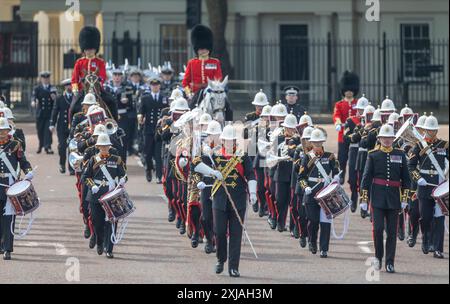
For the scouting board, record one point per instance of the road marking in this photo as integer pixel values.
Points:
(364, 246)
(59, 248)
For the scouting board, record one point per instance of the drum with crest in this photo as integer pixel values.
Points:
(333, 200)
(117, 204)
(440, 195)
(23, 197)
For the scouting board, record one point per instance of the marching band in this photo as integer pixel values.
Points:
(210, 170)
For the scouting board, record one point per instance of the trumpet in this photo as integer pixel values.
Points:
(111, 126)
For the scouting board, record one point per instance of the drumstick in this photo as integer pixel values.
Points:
(430, 184)
(5, 185)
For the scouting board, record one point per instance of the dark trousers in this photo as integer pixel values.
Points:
(207, 213)
(129, 125)
(301, 212)
(102, 228)
(157, 155)
(283, 198)
(149, 150)
(313, 215)
(433, 229)
(343, 157)
(261, 190)
(62, 148)
(414, 218)
(44, 134)
(6, 237)
(353, 174)
(385, 219)
(226, 221)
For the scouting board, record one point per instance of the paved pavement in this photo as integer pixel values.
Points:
(153, 252)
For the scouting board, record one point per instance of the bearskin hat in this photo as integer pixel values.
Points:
(202, 38)
(350, 82)
(89, 38)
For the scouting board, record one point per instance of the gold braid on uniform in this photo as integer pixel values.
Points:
(415, 175)
(364, 195)
(405, 195)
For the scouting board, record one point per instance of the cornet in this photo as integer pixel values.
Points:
(111, 126)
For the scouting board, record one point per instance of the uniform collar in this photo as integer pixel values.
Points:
(4, 142)
(386, 149)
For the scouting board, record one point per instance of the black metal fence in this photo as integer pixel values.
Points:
(413, 72)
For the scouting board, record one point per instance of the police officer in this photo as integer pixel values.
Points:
(60, 118)
(167, 80)
(423, 167)
(12, 157)
(312, 180)
(44, 95)
(152, 103)
(292, 103)
(342, 110)
(229, 204)
(387, 178)
(100, 183)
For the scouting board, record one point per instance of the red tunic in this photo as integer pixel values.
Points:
(342, 110)
(83, 65)
(198, 71)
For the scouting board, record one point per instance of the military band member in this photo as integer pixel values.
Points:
(60, 118)
(292, 102)
(353, 124)
(342, 110)
(424, 171)
(260, 101)
(44, 95)
(12, 160)
(386, 177)
(229, 204)
(104, 172)
(311, 179)
(79, 120)
(149, 112)
(16, 133)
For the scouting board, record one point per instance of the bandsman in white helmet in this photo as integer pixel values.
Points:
(297, 201)
(99, 183)
(229, 197)
(259, 102)
(13, 157)
(427, 170)
(353, 125)
(311, 182)
(387, 179)
(16, 133)
(387, 107)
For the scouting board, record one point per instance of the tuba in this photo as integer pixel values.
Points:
(408, 133)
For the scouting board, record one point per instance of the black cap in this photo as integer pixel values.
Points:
(291, 90)
(45, 74)
(155, 80)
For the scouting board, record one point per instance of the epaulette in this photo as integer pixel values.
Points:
(15, 145)
(374, 149)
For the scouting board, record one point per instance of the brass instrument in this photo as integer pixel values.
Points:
(226, 171)
(75, 160)
(111, 126)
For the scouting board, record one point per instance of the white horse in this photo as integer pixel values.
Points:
(214, 99)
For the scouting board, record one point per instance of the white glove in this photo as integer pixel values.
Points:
(253, 198)
(51, 128)
(363, 206)
(201, 186)
(95, 189)
(252, 188)
(404, 205)
(422, 182)
(29, 175)
(206, 150)
(338, 127)
(336, 178)
(217, 175)
(308, 190)
(122, 181)
(182, 162)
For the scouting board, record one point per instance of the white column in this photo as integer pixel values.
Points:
(345, 35)
(131, 24)
(252, 59)
(89, 17)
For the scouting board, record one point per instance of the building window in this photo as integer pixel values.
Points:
(415, 50)
(174, 45)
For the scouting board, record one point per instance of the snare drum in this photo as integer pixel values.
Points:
(333, 200)
(117, 204)
(440, 195)
(23, 197)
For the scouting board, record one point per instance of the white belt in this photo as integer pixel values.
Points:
(355, 145)
(122, 111)
(362, 150)
(101, 183)
(429, 172)
(316, 179)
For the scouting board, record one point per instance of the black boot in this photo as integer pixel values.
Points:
(401, 233)
(303, 241)
(219, 267)
(182, 228)
(92, 241)
(39, 150)
(272, 223)
(234, 273)
(49, 151)
(148, 175)
(353, 207)
(390, 268)
(100, 249)
(62, 169)
(209, 247)
(194, 240)
(411, 241)
(255, 208)
(313, 248)
(425, 244)
(171, 216)
(438, 255)
(323, 254)
(178, 223)
(87, 232)
(7, 256)
(109, 255)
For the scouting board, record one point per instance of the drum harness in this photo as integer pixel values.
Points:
(14, 175)
(327, 181)
(112, 182)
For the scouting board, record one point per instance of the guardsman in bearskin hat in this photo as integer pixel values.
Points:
(89, 40)
(203, 67)
(342, 110)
